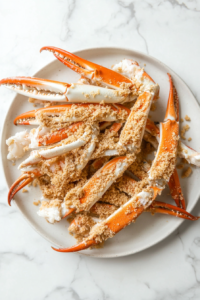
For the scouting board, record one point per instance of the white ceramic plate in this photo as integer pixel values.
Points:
(148, 230)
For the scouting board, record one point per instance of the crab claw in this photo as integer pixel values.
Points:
(165, 208)
(21, 182)
(88, 69)
(49, 90)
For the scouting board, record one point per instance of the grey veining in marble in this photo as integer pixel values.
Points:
(168, 30)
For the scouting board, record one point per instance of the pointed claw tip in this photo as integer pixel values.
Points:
(9, 200)
(21, 182)
(44, 48)
(79, 247)
(172, 111)
(55, 249)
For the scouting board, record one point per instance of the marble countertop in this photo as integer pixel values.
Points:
(168, 30)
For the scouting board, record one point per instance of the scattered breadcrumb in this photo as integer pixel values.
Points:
(24, 191)
(13, 163)
(187, 172)
(183, 131)
(35, 182)
(189, 139)
(187, 118)
(36, 203)
(182, 120)
(145, 65)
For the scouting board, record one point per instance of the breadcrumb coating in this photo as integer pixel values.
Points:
(133, 130)
(184, 130)
(89, 115)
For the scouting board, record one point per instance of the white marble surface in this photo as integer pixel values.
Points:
(168, 30)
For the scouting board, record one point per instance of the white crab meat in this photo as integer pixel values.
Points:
(38, 155)
(77, 93)
(130, 69)
(36, 134)
(22, 141)
(52, 210)
(17, 145)
(190, 155)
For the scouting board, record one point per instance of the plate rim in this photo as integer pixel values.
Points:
(168, 233)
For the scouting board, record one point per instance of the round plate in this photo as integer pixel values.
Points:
(148, 230)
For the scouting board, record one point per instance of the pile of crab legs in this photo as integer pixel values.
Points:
(98, 93)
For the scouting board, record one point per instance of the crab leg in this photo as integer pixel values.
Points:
(174, 183)
(67, 113)
(160, 172)
(88, 69)
(22, 181)
(99, 183)
(133, 131)
(37, 156)
(49, 90)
